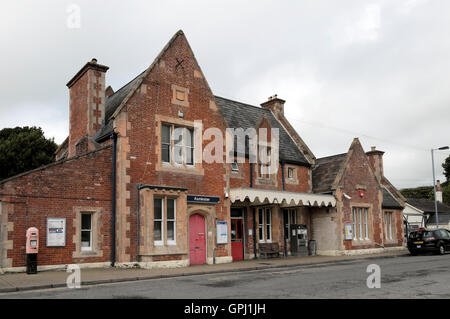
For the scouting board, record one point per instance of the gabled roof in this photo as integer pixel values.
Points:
(325, 172)
(116, 102)
(241, 115)
(389, 201)
(112, 103)
(427, 206)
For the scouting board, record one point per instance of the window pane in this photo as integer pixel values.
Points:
(165, 136)
(233, 229)
(170, 230)
(165, 153)
(267, 216)
(86, 221)
(360, 222)
(178, 136)
(170, 208)
(189, 155)
(157, 207)
(85, 238)
(178, 154)
(268, 232)
(189, 137)
(366, 230)
(157, 231)
(239, 229)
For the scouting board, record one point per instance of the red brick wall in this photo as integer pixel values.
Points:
(156, 99)
(54, 192)
(243, 179)
(358, 173)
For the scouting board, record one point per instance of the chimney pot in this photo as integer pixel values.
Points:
(94, 60)
(373, 148)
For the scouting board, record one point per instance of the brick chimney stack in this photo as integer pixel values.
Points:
(274, 104)
(86, 106)
(438, 191)
(376, 162)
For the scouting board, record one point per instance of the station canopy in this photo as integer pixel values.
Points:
(283, 198)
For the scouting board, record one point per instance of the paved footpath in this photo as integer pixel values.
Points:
(11, 282)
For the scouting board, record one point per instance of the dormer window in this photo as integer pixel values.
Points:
(290, 173)
(264, 168)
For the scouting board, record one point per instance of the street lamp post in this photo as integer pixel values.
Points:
(434, 181)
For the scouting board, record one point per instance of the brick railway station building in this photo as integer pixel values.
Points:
(127, 200)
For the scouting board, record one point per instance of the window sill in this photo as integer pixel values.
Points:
(185, 169)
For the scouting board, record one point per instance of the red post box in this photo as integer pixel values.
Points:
(32, 249)
(32, 246)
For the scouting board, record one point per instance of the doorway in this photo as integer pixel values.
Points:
(237, 234)
(197, 240)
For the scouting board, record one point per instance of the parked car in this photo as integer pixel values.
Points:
(434, 240)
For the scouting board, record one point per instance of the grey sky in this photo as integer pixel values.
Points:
(377, 70)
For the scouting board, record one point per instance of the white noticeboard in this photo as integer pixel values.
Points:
(222, 232)
(56, 232)
(348, 229)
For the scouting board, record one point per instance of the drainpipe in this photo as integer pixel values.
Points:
(284, 233)
(282, 175)
(254, 231)
(251, 175)
(113, 201)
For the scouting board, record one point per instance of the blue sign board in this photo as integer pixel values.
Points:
(203, 199)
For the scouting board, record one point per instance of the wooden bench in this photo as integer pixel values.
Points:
(269, 250)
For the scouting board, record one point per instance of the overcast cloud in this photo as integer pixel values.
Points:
(377, 70)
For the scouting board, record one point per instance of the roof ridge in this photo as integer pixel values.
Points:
(335, 155)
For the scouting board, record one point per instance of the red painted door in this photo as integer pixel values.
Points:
(197, 240)
(237, 242)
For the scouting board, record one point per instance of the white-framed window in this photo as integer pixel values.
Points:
(177, 145)
(164, 221)
(290, 172)
(234, 167)
(388, 225)
(290, 218)
(265, 225)
(360, 222)
(86, 231)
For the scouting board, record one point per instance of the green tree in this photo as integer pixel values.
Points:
(425, 192)
(446, 167)
(23, 149)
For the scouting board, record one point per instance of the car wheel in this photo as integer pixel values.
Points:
(441, 249)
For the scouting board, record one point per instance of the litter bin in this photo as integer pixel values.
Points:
(312, 247)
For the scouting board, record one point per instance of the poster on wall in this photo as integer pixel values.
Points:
(222, 232)
(348, 230)
(56, 232)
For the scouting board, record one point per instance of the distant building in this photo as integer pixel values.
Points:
(427, 208)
